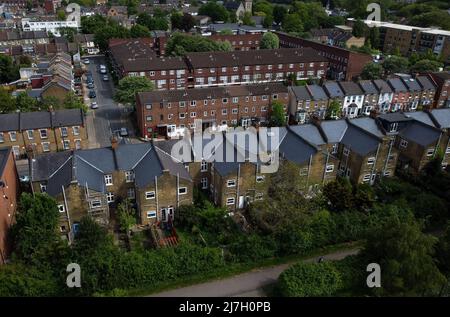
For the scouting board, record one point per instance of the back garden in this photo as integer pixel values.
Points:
(393, 220)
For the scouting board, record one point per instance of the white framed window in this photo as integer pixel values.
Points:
(77, 144)
(13, 136)
(30, 134)
(193, 114)
(193, 103)
(403, 143)
(259, 196)
(371, 160)
(387, 173)
(66, 144)
(234, 111)
(76, 130)
(109, 197)
(430, 152)
(61, 208)
(329, 168)
(366, 178)
(151, 214)
(64, 131)
(148, 106)
(224, 112)
(150, 195)
(231, 183)
(393, 127)
(260, 178)
(182, 115)
(96, 203)
(230, 201)
(149, 118)
(131, 193)
(129, 176)
(108, 180)
(43, 133)
(182, 191)
(335, 148)
(43, 188)
(204, 166)
(304, 171)
(2, 138)
(45, 146)
(224, 100)
(204, 182)
(447, 151)
(182, 104)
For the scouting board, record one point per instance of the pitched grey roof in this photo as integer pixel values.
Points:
(394, 117)
(369, 125)
(382, 86)
(88, 167)
(420, 133)
(334, 130)
(442, 117)
(317, 92)
(333, 89)
(425, 83)
(359, 141)
(309, 132)
(368, 87)
(35, 120)
(397, 85)
(301, 93)
(68, 117)
(350, 88)
(295, 149)
(420, 116)
(412, 84)
(9, 122)
(4, 156)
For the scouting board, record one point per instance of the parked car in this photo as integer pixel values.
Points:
(103, 71)
(90, 85)
(86, 61)
(92, 94)
(123, 132)
(105, 78)
(89, 80)
(94, 105)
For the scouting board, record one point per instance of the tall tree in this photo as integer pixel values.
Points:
(8, 70)
(129, 86)
(359, 28)
(405, 256)
(7, 103)
(395, 64)
(279, 13)
(277, 114)
(292, 23)
(372, 71)
(215, 11)
(139, 30)
(269, 41)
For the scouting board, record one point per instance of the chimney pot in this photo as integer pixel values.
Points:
(114, 143)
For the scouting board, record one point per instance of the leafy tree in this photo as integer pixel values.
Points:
(311, 14)
(292, 23)
(35, 231)
(157, 22)
(443, 251)
(263, 7)
(372, 71)
(339, 194)
(270, 41)
(425, 66)
(126, 215)
(405, 256)
(310, 279)
(138, 30)
(395, 64)
(129, 86)
(374, 37)
(25, 61)
(277, 114)
(279, 12)
(226, 32)
(268, 21)
(72, 101)
(179, 44)
(333, 110)
(61, 15)
(8, 70)
(215, 11)
(434, 18)
(7, 103)
(359, 28)
(182, 21)
(68, 33)
(247, 19)
(90, 24)
(107, 32)
(26, 103)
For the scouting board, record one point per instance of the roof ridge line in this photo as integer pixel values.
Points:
(62, 165)
(92, 165)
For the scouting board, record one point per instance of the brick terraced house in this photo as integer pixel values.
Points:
(43, 131)
(83, 184)
(168, 113)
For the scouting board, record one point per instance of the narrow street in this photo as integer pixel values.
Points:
(110, 116)
(250, 284)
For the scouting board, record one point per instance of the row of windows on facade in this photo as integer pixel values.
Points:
(46, 146)
(256, 67)
(247, 78)
(43, 133)
(182, 115)
(193, 103)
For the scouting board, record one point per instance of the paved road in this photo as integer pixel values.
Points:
(248, 284)
(109, 117)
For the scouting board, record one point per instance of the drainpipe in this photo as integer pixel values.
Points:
(156, 198)
(391, 142)
(437, 145)
(236, 203)
(309, 171)
(67, 214)
(178, 190)
(325, 169)
(374, 163)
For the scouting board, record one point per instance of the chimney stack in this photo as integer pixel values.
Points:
(114, 143)
(374, 113)
(315, 119)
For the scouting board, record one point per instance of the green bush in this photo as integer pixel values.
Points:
(310, 279)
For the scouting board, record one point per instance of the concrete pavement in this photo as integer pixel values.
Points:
(248, 284)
